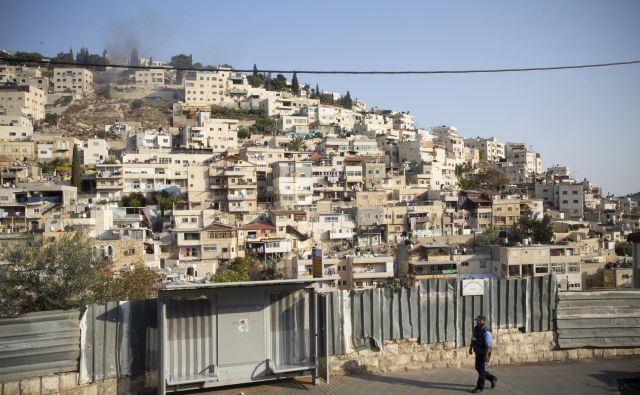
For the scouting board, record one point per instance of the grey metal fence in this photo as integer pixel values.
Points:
(434, 310)
(598, 319)
(119, 339)
(39, 343)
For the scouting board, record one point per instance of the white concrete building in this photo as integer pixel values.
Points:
(95, 151)
(489, 148)
(19, 101)
(219, 135)
(150, 78)
(293, 184)
(72, 80)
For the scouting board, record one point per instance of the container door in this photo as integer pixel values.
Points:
(323, 340)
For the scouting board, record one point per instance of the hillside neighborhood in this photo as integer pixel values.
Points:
(187, 172)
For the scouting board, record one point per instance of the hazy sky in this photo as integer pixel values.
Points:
(586, 119)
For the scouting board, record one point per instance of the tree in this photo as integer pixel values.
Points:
(76, 169)
(138, 284)
(468, 183)
(327, 98)
(540, 230)
(488, 237)
(134, 59)
(346, 101)
(263, 125)
(166, 200)
(623, 248)
(295, 85)
(239, 269)
(256, 79)
(136, 104)
(244, 133)
(55, 273)
(277, 84)
(183, 61)
(297, 144)
(135, 199)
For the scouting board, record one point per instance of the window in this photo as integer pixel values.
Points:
(129, 252)
(210, 248)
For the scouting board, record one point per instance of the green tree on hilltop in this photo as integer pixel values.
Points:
(295, 85)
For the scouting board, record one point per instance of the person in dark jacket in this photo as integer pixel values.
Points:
(481, 342)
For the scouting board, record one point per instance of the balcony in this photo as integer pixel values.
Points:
(371, 274)
(104, 174)
(233, 172)
(237, 197)
(189, 242)
(333, 235)
(239, 208)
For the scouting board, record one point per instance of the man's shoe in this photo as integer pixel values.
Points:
(493, 383)
(476, 390)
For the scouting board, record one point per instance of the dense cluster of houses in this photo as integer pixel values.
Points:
(381, 198)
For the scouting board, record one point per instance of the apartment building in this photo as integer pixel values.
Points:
(151, 140)
(367, 270)
(333, 230)
(95, 151)
(505, 213)
(222, 87)
(565, 260)
(403, 121)
(205, 248)
(293, 184)
(17, 101)
(233, 187)
(372, 125)
(152, 172)
(295, 123)
(18, 129)
(219, 135)
(567, 197)
(54, 146)
(72, 80)
(23, 76)
(425, 261)
(302, 268)
(479, 209)
(150, 78)
(11, 151)
(27, 206)
(490, 149)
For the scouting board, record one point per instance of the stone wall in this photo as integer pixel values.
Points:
(67, 384)
(510, 347)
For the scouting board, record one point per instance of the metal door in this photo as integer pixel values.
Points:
(323, 340)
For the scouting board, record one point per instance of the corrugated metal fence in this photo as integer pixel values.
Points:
(598, 319)
(118, 339)
(435, 311)
(39, 343)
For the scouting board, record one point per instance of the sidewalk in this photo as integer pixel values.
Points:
(597, 376)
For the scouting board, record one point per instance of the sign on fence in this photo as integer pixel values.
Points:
(473, 287)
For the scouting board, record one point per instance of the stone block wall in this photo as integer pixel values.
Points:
(510, 347)
(67, 384)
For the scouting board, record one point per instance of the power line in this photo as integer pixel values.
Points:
(352, 72)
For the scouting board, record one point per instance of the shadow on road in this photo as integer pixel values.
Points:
(414, 383)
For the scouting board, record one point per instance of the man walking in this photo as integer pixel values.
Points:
(481, 342)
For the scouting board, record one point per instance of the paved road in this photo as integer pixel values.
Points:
(579, 377)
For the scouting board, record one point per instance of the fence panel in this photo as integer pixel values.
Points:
(39, 343)
(598, 319)
(119, 339)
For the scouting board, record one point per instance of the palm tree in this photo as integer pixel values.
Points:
(297, 144)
